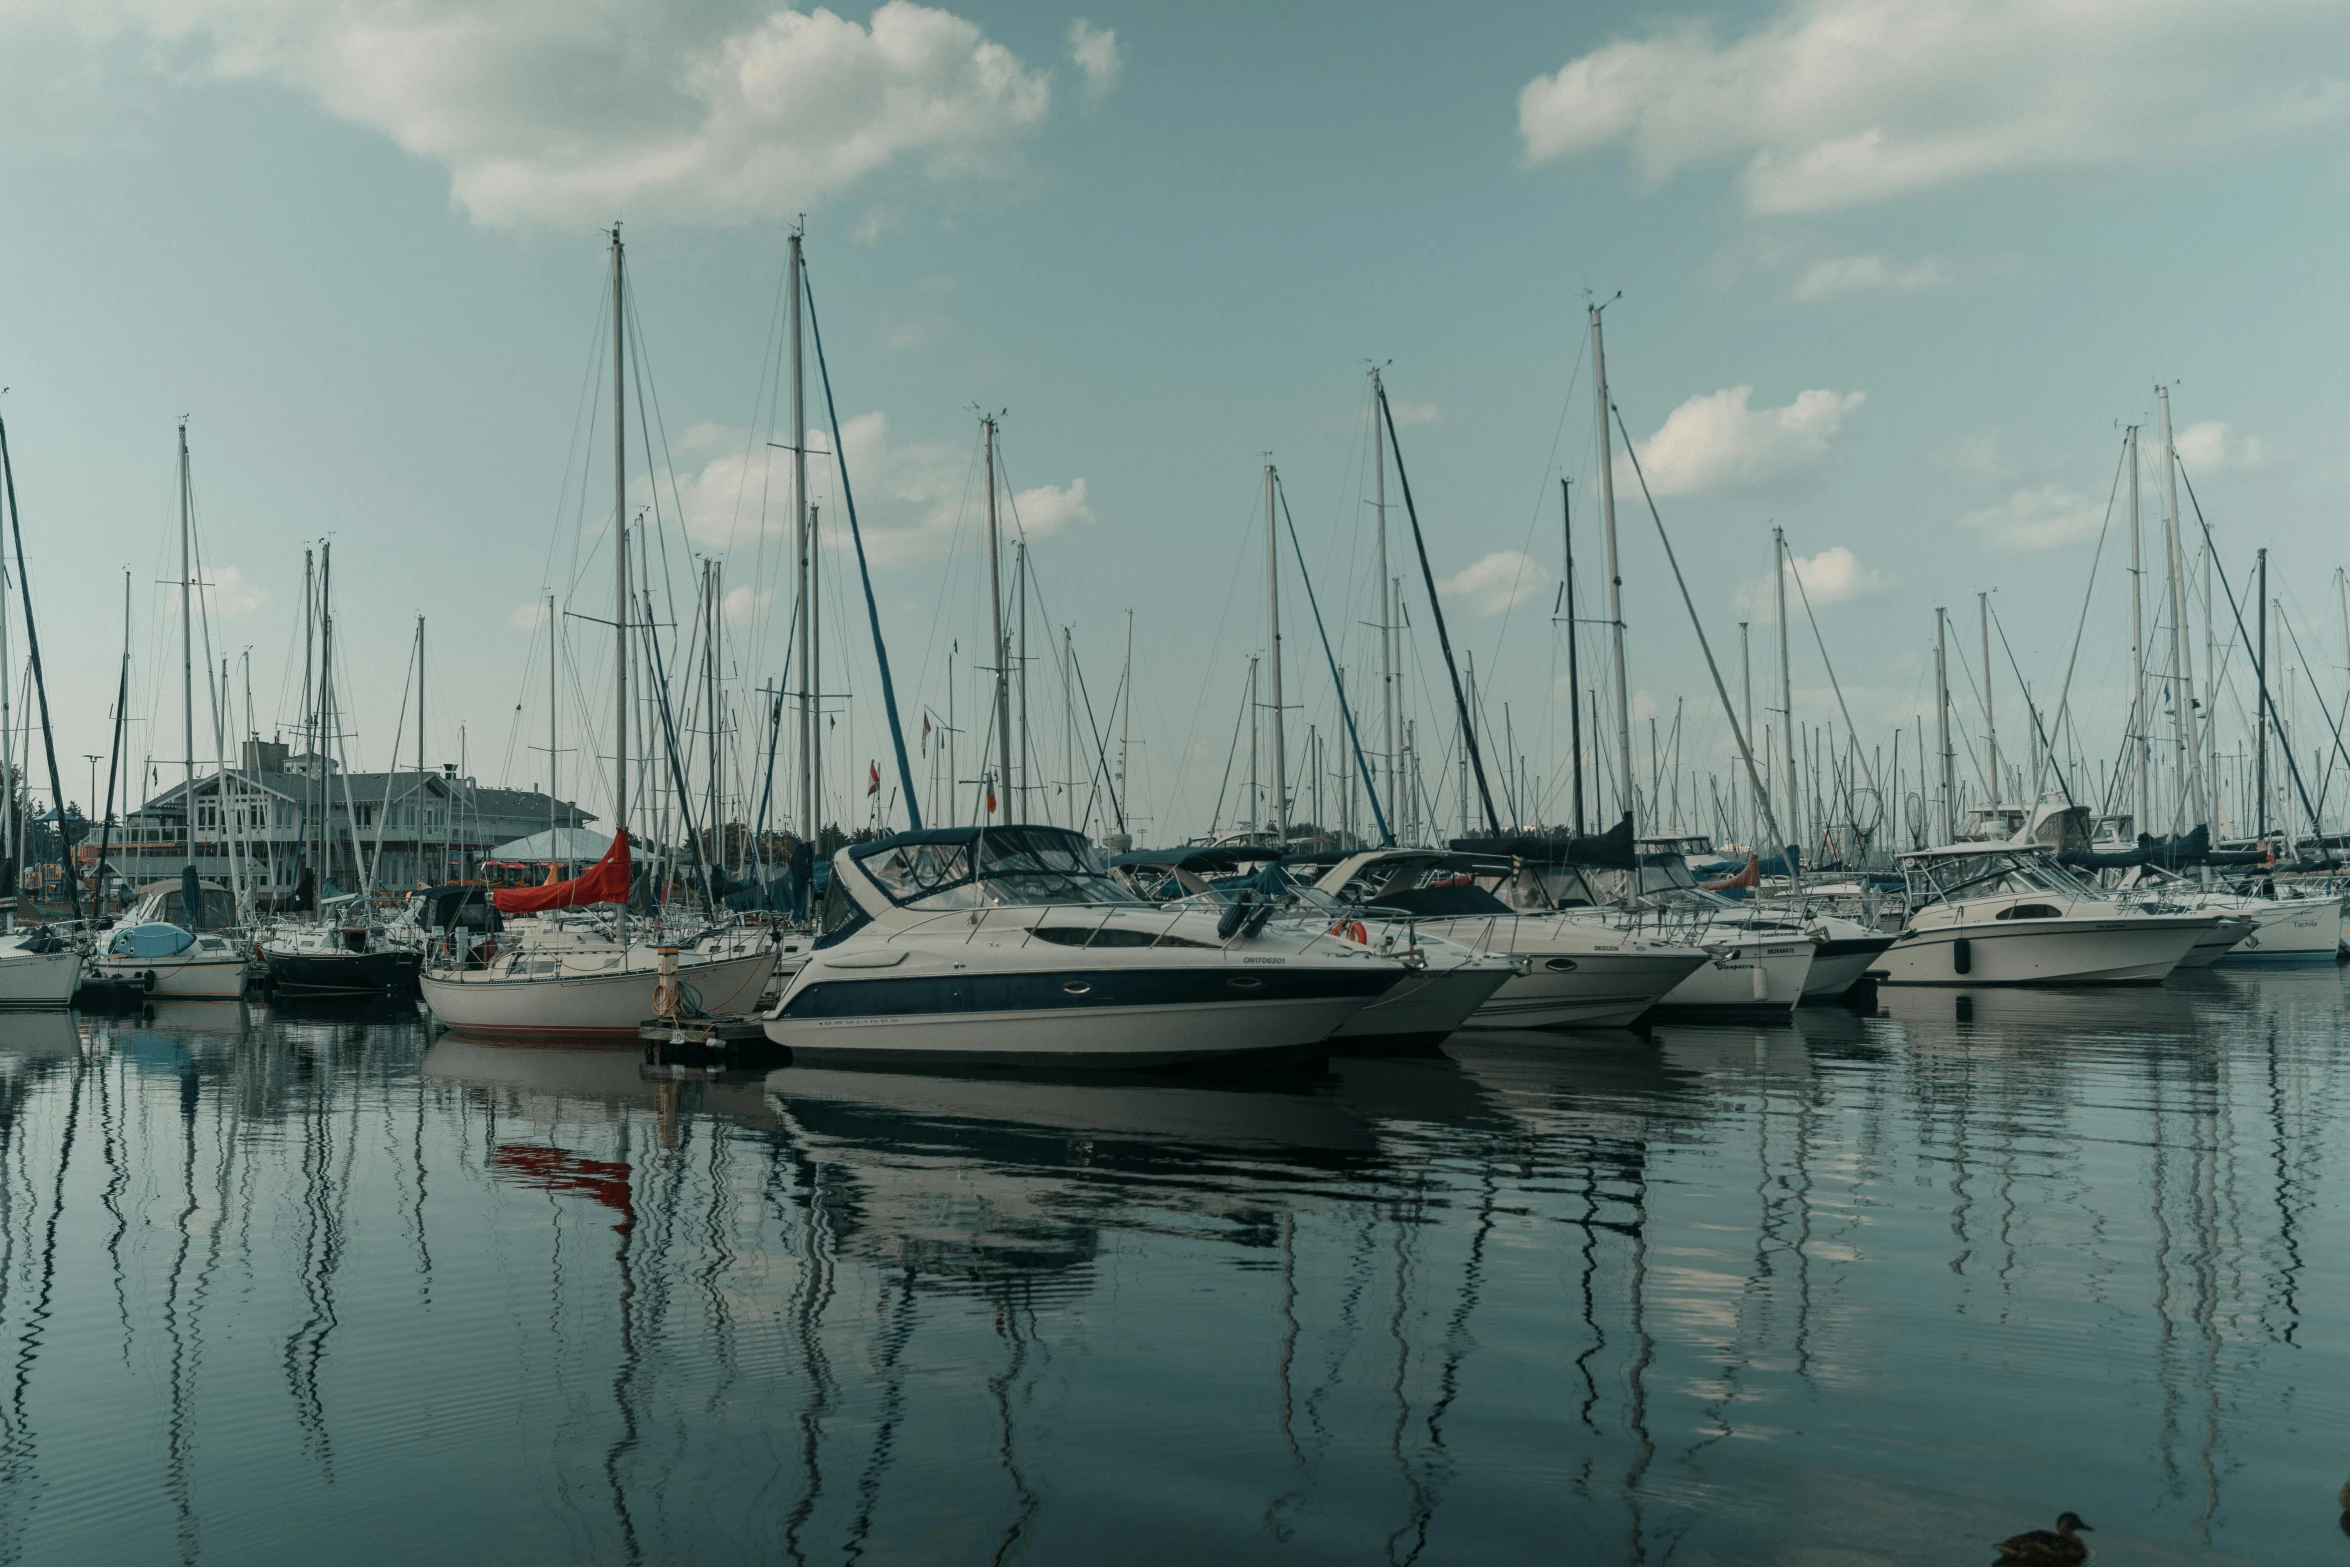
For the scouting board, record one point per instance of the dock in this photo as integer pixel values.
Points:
(736, 1042)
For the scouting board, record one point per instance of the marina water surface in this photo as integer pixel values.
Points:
(1870, 1288)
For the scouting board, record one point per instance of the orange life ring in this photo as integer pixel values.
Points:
(1352, 930)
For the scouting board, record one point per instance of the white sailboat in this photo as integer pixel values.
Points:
(550, 977)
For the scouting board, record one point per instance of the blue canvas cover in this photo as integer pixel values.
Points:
(149, 941)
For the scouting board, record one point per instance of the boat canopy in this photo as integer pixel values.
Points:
(979, 867)
(1611, 850)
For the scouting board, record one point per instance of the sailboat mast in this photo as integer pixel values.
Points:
(1990, 726)
(1787, 690)
(554, 763)
(423, 873)
(1574, 668)
(1615, 576)
(187, 659)
(799, 464)
(1273, 654)
(1746, 706)
(1942, 724)
(2138, 745)
(995, 608)
(2189, 752)
(2260, 715)
(1020, 622)
(1387, 595)
(1125, 720)
(620, 541)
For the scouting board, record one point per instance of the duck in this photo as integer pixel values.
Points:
(2058, 1547)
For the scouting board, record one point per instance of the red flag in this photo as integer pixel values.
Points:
(925, 734)
(991, 802)
(872, 778)
(606, 881)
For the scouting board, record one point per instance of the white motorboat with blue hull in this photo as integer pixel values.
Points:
(1012, 947)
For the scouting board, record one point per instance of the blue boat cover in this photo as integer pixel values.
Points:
(149, 941)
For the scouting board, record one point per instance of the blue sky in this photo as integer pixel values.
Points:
(1894, 275)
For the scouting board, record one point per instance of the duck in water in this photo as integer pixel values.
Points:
(2058, 1547)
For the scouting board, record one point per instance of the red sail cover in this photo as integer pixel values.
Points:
(1749, 877)
(606, 881)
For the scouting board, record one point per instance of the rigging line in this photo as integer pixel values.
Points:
(1239, 722)
(73, 880)
(1745, 751)
(2064, 694)
(2268, 697)
(2033, 708)
(1541, 495)
(1199, 705)
(1386, 837)
(889, 693)
(1833, 683)
(2333, 727)
(1443, 636)
(1100, 749)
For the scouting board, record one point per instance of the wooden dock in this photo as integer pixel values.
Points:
(726, 1042)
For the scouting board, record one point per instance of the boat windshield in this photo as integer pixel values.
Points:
(1001, 866)
(1994, 874)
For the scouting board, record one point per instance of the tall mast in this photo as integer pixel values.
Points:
(2260, 713)
(1787, 690)
(809, 827)
(1273, 653)
(187, 663)
(816, 662)
(995, 609)
(422, 874)
(1256, 721)
(1615, 576)
(620, 540)
(1387, 595)
(2138, 745)
(1942, 725)
(554, 630)
(2189, 752)
(1990, 727)
(1020, 621)
(323, 720)
(1746, 702)
(1125, 721)
(1574, 675)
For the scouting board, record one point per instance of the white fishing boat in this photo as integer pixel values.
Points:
(1012, 946)
(1574, 970)
(2009, 914)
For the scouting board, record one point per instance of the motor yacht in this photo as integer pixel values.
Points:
(2009, 914)
(1578, 971)
(1013, 946)
(1444, 982)
(39, 968)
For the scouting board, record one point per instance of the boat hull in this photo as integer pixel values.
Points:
(1421, 1010)
(1597, 990)
(381, 973)
(2295, 931)
(1841, 963)
(1746, 979)
(2140, 951)
(1109, 1017)
(183, 978)
(39, 979)
(574, 1005)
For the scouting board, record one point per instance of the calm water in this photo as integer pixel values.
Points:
(1862, 1290)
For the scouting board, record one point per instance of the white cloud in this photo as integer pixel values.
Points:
(1412, 413)
(1095, 53)
(1872, 275)
(2042, 519)
(231, 597)
(1834, 103)
(1833, 576)
(911, 496)
(740, 606)
(1497, 584)
(1716, 442)
(528, 616)
(2211, 446)
(573, 111)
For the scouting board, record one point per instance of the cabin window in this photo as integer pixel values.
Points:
(2031, 911)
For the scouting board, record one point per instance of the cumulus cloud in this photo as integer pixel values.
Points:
(230, 595)
(911, 495)
(1834, 103)
(1094, 51)
(1412, 413)
(572, 111)
(2041, 519)
(741, 606)
(528, 616)
(2211, 446)
(1872, 275)
(1497, 584)
(1833, 576)
(1716, 443)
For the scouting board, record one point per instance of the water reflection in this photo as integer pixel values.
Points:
(1867, 1284)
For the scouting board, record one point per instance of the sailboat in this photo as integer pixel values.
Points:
(180, 940)
(546, 974)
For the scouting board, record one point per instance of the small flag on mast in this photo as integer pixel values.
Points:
(872, 778)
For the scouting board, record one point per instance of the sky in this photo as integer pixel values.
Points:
(1890, 274)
